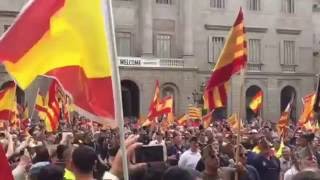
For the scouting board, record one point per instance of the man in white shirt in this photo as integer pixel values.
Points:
(190, 158)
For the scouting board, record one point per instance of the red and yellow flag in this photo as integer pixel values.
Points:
(256, 102)
(194, 112)
(164, 107)
(8, 103)
(46, 114)
(233, 122)
(183, 120)
(307, 114)
(155, 102)
(66, 40)
(283, 123)
(232, 59)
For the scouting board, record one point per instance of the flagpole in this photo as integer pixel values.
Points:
(117, 88)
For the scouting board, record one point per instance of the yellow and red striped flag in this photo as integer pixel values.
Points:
(155, 102)
(232, 59)
(8, 103)
(46, 114)
(307, 114)
(256, 102)
(66, 40)
(233, 122)
(283, 123)
(194, 112)
(164, 107)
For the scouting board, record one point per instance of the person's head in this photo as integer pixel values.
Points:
(209, 134)
(175, 173)
(60, 149)
(67, 157)
(41, 154)
(265, 146)
(83, 160)
(211, 159)
(177, 138)
(307, 175)
(286, 153)
(51, 172)
(194, 144)
(159, 136)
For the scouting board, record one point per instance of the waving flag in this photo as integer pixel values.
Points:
(308, 104)
(283, 123)
(66, 40)
(5, 170)
(232, 59)
(256, 102)
(155, 102)
(8, 103)
(194, 112)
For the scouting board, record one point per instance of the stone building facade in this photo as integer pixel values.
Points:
(178, 42)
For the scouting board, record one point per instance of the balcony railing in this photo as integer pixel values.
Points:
(288, 68)
(255, 67)
(150, 62)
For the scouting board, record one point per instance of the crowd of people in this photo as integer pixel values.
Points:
(88, 151)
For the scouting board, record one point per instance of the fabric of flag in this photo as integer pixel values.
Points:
(207, 120)
(45, 113)
(194, 112)
(5, 170)
(256, 102)
(155, 102)
(8, 103)
(283, 123)
(232, 59)
(66, 40)
(316, 106)
(308, 104)
(164, 107)
(25, 120)
(233, 123)
(182, 120)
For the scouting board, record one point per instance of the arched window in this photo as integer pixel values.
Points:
(250, 94)
(170, 90)
(287, 93)
(130, 99)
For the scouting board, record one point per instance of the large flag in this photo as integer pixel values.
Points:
(232, 59)
(8, 103)
(256, 102)
(155, 102)
(45, 113)
(164, 107)
(66, 40)
(5, 170)
(308, 104)
(194, 112)
(283, 123)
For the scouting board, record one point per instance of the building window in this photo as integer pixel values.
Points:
(287, 53)
(164, 1)
(217, 3)
(254, 5)
(163, 46)
(254, 51)
(216, 48)
(124, 43)
(288, 6)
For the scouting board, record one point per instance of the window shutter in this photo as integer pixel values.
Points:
(210, 49)
(281, 52)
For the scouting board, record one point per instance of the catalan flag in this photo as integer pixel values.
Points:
(155, 102)
(8, 103)
(308, 104)
(232, 59)
(283, 123)
(46, 114)
(66, 40)
(194, 112)
(256, 102)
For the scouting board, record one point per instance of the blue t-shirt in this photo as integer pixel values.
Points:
(267, 168)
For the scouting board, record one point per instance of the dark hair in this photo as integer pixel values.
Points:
(60, 150)
(194, 139)
(84, 159)
(175, 173)
(51, 172)
(42, 154)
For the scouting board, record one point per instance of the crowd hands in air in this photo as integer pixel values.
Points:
(87, 151)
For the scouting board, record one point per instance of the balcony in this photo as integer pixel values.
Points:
(288, 68)
(254, 67)
(150, 62)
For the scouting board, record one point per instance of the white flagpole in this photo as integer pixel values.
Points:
(116, 87)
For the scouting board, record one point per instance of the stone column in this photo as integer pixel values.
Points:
(188, 34)
(147, 27)
(274, 99)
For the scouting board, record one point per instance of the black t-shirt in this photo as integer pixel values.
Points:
(177, 151)
(267, 168)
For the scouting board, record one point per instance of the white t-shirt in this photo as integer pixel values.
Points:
(288, 175)
(189, 159)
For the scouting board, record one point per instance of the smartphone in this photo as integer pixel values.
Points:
(148, 153)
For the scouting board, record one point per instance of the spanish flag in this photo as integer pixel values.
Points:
(308, 104)
(233, 122)
(46, 114)
(232, 59)
(155, 102)
(66, 40)
(164, 107)
(8, 103)
(256, 102)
